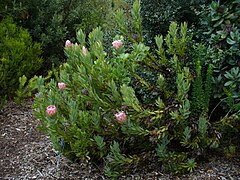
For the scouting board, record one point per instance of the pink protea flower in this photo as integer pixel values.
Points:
(68, 43)
(117, 44)
(51, 110)
(84, 50)
(61, 86)
(121, 116)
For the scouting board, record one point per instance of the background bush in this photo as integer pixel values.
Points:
(220, 30)
(18, 56)
(51, 22)
(158, 14)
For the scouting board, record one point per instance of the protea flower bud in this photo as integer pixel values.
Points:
(68, 43)
(51, 110)
(117, 44)
(61, 86)
(121, 116)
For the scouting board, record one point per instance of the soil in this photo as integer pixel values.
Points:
(26, 153)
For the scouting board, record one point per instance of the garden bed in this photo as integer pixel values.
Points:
(27, 153)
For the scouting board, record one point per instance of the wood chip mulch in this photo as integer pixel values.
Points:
(26, 153)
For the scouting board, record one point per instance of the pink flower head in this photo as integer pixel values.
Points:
(121, 116)
(117, 44)
(84, 50)
(68, 43)
(76, 44)
(61, 86)
(51, 110)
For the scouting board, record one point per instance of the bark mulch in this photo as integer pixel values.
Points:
(26, 153)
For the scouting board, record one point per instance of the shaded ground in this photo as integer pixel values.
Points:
(25, 153)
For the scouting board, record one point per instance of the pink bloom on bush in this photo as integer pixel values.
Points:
(51, 110)
(61, 86)
(121, 116)
(84, 50)
(68, 43)
(117, 44)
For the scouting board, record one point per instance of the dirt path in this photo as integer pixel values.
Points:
(25, 153)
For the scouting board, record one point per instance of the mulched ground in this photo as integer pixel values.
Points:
(25, 153)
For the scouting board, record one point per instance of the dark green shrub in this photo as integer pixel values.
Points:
(16, 10)
(18, 56)
(220, 29)
(158, 14)
(51, 22)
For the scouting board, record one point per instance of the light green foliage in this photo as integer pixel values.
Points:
(96, 86)
(189, 166)
(117, 163)
(183, 84)
(25, 89)
(186, 136)
(171, 160)
(137, 19)
(101, 145)
(131, 128)
(18, 56)
(129, 98)
(177, 44)
(182, 114)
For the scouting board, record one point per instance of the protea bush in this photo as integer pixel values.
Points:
(97, 106)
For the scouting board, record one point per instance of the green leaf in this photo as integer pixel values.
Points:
(228, 83)
(230, 41)
(216, 18)
(230, 16)
(100, 142)
(130, 98)
(22, 80)
(131, 128)
(228, 75)
(218, 23)
(81, 37)
(187, 134)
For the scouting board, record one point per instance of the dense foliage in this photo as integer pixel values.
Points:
(113, 107)
(50, 22)
(221, 30)
(158, 14)
(158, 82)
(18, 56)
